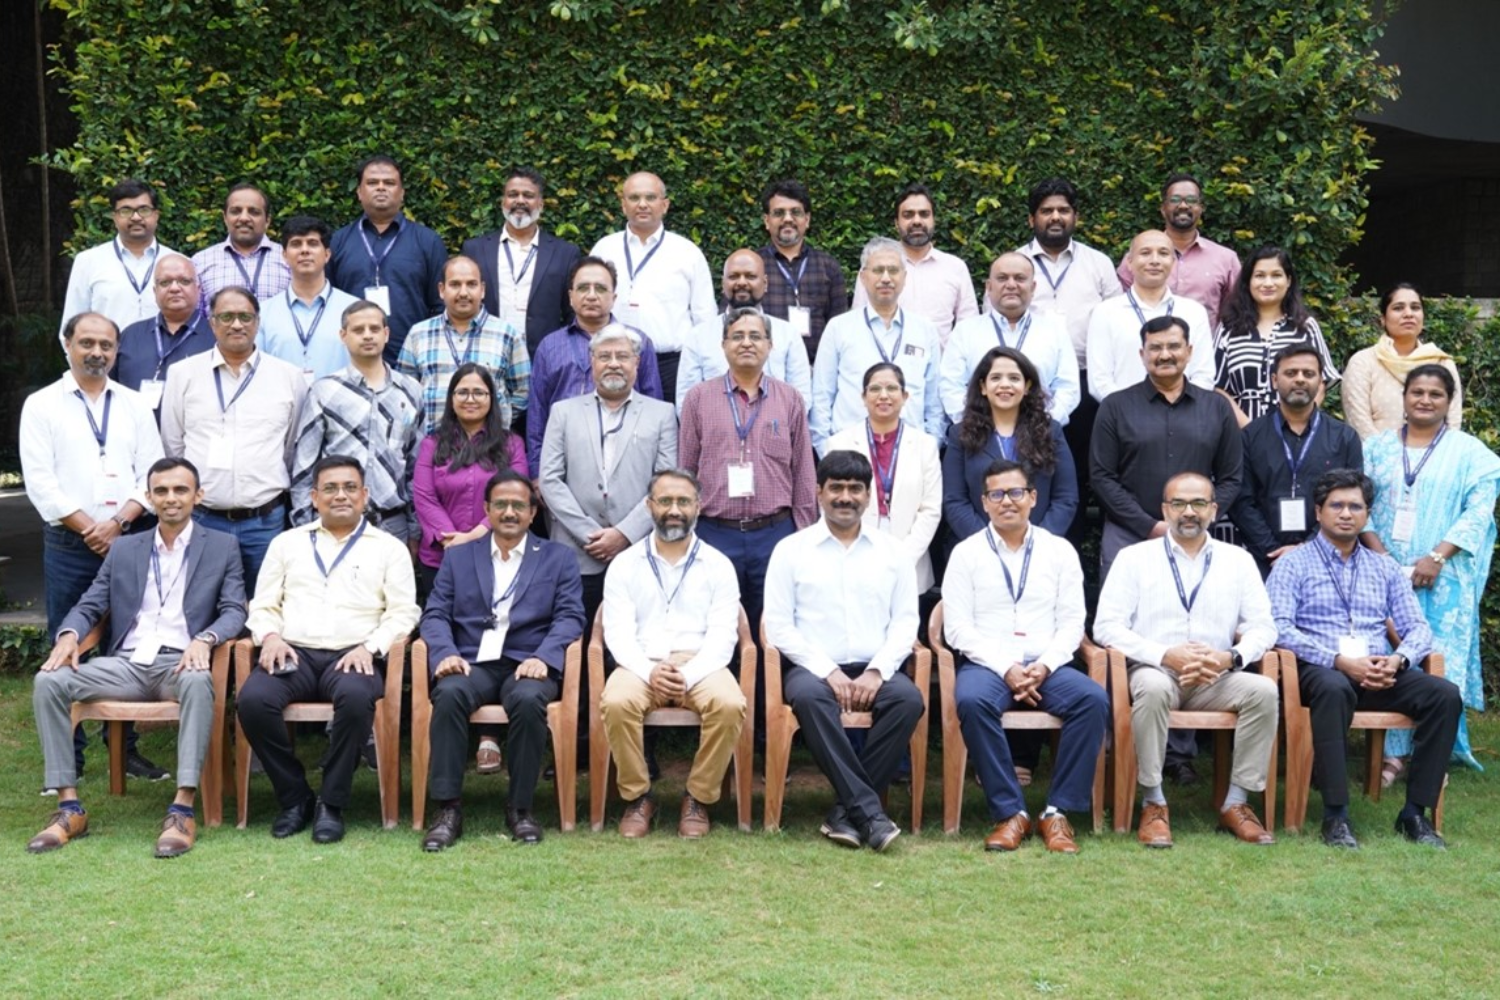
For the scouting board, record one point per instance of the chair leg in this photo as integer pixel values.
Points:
(388, 764)
(210, 788)
(565, 767)
(241, 775)
(918, 777)
(1124, 772)
(778, 757)
(1374, 758)
(1270, 795)
(1298, 774)
(1098, 791)
(598, 778)
(1221, 767)
(744, 778)
(955, 765)
(116, 757)
(421, 754)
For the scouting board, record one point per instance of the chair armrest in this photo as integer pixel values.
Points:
(94, 638)
(395, 668)
(596, 657)
(1270, 664)
(572, 668)
(1095, 660)
(773, 671)
(244, 662)
(1433, 664)
(921, 669)
(746, 653)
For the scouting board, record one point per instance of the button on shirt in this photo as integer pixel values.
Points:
(429, 357)
(851, 344)
(703, 358)
(987, 625)
(161, 616)
(507, 568)
(320, 321)
(827, 605)
(1205, 272)
(1114, 346)
(1045, 345)
(1141, 614)
(669, 294)
(1071, 286)
(101, 282)
(60, 458)
(642, 627)
(264, 271)
(369, 598)
(939, 288)
(259, 427)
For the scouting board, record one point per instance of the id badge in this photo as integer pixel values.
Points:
(381, 296)
(741, 479)
(1353, 647)
(221, 452)
(150, 391)
(1405, 524)
(490, 645)
(107, 490)
(1293, 515)
(146, 651)
(801, 319)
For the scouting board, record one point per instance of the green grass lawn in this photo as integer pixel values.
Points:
(784, 914)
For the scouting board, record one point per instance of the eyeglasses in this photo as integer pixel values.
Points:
(787, 213)
(596, 288)
(471, 394)
(137, 212)
(1199, 506)
(176, 282)
(884, 272)
(614, 357)
(740, 338)
(334, 489)
(230, 319)
(681, 503)
(1015, 494)
(1185, 199)
(1343, 506)
(501, 506)
(884, 390)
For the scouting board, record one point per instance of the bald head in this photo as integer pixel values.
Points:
(1010, 285)
(744, 278)
(175, 283)
(1152, 258)
(643, 199)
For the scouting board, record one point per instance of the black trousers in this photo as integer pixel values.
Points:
(456, 697)
(1332, 698)
(858, 777)
(265, 696)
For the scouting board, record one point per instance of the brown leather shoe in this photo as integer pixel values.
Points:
(61, 828)
(694, 822)
(1008, 834)
(177, 836)
(1240, 820)
(1057, 834)
(637, 819)
(1155, 830)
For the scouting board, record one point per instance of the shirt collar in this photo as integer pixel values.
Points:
(649, 241)
(653, 542)
(1000, 542)
(396, 223)
(122, 249)
(183, 537)
(216, 359)
(1181, 553)
(476, 324)
(318, 528)
(70, 384)
(823, 535)
(264, 245)
(515, 553)
(323, 295)
(1034, 250)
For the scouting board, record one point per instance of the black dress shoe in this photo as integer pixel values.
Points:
(880, 832)
(293, 820)
(524, 829)
(328, 824)
(1417, 829)
(1181, 773)
(445, 830)
(837, 828)
(1338, 833)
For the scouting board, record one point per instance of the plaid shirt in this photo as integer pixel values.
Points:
(820, 288)
(381, 428)
(220, 266)
(428, 356)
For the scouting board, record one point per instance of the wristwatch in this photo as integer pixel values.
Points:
(1404, 662)
(123, 522)
(206, 636)
(1236, 661)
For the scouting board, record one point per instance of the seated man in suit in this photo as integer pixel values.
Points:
(1332, 597)
(671, 632)
(841, 606)
(171, 596)
(1015, 631)
(332, 599)
(497, 626)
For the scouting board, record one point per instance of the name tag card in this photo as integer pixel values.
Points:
(801, 319)
(381, 296)
(146, 650)
(221, 452)
(1405, 524)
(1293, 514)
(108, 490)
(1353, 647)
(741, 479)
(151, 392)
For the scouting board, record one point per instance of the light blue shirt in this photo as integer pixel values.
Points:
(850, 345)
(1046, 345)
(325, 352)
(703, 358)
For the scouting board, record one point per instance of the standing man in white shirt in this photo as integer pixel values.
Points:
(841, 606)
(1011, 322)
(114, 278)
(881, 330)
(671, 615)
(1183, 651)
(939, 287)
(300, 324)
(1015, 632)
(665, 286)
(232, 412)
(248, 257)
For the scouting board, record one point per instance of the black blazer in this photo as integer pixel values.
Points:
(547, 309)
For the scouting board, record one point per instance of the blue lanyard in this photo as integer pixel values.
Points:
(1041, 262)
(887, 476)
(139, 286)
(161, 593)
(305, 336)
(1337, 572)
(1295, 464)
(162, 353)
(794, 283)
(370, 251)
(327, 571)
(1000, 331)
(604, 434)
(260, 262)
(219, 387)
(651, 561)
(1139, 314)
(515, 279)
(101, 434)
(1410, 473)
(743, 430)
(1016, 593)
(1188, 600)
(900, 325)
(630, 268)
(471, 338)
(1007, 446)
(494, 620)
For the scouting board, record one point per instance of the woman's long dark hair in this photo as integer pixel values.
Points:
(1241, 314)
(490, 448)
(1034, 445)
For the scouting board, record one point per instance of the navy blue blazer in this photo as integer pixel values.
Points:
(963, 486)
(546, 614)
(213, 599)
(548, 307)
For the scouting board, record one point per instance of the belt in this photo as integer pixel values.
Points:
(396, 511)
(750, 523)
(247, 513)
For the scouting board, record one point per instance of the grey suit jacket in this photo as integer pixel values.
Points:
(573, 484)
(213, 597)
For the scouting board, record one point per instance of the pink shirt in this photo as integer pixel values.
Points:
(452, 501)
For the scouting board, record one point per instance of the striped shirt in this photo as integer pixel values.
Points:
(434, 350)
(380, 427)
(264, 272)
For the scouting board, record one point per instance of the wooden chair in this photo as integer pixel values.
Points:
(562, 719)
(782, 725)
(116, 713)
(1222, 724)
(1299, 750)
(956, 753)
(600, 759)
(387, 731)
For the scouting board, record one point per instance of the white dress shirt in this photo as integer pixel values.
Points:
(1141, 612)
(703, 358)
(857, 339)
(243, 450)
(101, 282)
(1042, 337)
(939, 288)
(827, 605)
(1042, 622)
(691, 605)
(1114, 350)
(320, 322)
(515, 267)
(672, 290)
(60, 458)
(1071, 286)
(161, 618)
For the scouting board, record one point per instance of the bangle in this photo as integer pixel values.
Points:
(1437, 557)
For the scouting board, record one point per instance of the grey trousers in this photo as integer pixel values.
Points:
(115, 678)
(1154, 692)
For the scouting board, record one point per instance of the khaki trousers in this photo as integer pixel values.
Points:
(717, 698)
(1154, 692)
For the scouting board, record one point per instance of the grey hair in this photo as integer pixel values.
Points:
(734, 314)
(880, 244)
(613, 332)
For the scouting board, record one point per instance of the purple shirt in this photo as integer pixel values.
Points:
(451, 501)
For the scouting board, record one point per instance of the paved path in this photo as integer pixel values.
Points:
(21, 574)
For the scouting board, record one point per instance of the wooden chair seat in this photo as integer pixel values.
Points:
(387, 731)
(782, 725)
(562, 720)
(601, 760)
(956, 753)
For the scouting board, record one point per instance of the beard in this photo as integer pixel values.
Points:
(522, 218)
(673, 531)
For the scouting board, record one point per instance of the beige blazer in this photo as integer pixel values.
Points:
(916, 495)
